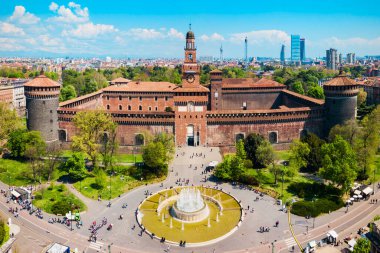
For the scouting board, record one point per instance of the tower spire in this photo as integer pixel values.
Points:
(190, 26)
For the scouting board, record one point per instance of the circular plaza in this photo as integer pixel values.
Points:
(195, 215)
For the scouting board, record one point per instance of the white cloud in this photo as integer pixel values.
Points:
(8, 28)
(72, 14)
(214, 37)
(7, 44)
(144, 34)
(262, 37)
(53, 6)
(173, 33)
(23, 17)
(89, 30)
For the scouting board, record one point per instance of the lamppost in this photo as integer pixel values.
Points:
(110, 184)
(71, 217)
(314, 199)
(374, 173)
(273, 245)
(282, 190)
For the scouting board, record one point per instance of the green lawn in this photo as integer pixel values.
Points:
(266, 180)
(15, 172)
(119, 158)
(282, 154)
(119, 185)
(47, 198)
(18, 173)
(6, 235)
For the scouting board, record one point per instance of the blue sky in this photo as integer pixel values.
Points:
(156, 28)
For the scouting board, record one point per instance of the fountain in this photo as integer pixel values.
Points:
(190, 206)
(171, 222)
(217, 217)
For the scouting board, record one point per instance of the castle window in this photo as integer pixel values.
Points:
(166, 98)
(120, 98)
(130, 98)
(239, 136)
(150, 108)
(129, 107)
(155, 98)
(120, 107)
(139, 140)
(140, 98)
(108, 107)
(108, 97)
(273, 138)
(156, 108)
(140, 107)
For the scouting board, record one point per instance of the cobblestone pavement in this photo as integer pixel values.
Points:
(38, 233)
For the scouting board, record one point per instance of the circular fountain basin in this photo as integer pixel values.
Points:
(190, 206)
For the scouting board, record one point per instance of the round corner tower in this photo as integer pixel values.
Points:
(340, 100)
(42, 101)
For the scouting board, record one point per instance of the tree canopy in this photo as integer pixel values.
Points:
(92, 127)
(338, 163)
(9, 121)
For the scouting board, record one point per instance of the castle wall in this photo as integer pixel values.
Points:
(42, 116)
(253, 101)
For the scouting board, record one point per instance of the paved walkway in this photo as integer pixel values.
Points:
(123, 239)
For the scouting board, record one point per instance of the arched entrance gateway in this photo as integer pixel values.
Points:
(190, 135)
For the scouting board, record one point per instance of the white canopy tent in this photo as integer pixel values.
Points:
(367, 191)
(15, 194)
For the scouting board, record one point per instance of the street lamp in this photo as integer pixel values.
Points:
(71, 217)
(110, 184)
(273, 245)
(314, 199)
(282, 190)
(374, 173)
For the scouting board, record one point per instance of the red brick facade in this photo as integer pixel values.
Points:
(195, 115)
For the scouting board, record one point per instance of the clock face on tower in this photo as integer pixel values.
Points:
(190, 78)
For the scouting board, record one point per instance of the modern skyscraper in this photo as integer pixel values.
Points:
(302, 50)
(350, 58)
(340, 60)
(282, 54)
(331, 58)
(221, 53)
(295, 55)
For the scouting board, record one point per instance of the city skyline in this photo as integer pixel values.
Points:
(150, 29)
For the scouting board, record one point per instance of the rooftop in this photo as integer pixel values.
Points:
(143, 87)
(42, 81)
(120, 80)
(340, 80)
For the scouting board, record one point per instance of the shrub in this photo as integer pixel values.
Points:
(305, 208)
(249, 180)
(38, 197)
(61, 188)
(2, 231)
(60, 207)
(248, 164)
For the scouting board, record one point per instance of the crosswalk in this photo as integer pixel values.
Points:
(98, 246)
(290, 242)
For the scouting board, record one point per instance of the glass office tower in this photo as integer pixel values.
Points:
(295, 54)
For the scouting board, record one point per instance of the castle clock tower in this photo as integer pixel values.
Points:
(190, 100)
(190, 68)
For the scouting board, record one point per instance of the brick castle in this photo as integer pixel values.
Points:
(228, 110)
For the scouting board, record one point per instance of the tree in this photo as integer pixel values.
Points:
(299, 152)
(91, 125)
(17, 143)
(349, 131)
(75, 166)
(314, 159)
(362, 245)
(223, 169)
(9, 121)
(266, 156)
(34, 150)
(240, 151)
(368, 141)
(297, 87)
(154, 156)
(251, 143)
(236, 168)
(362, 97)
(338, 163)
(52, 159)
(100, 178)
(168, 141)
(316, 92)
(109, 147)
(67, 92)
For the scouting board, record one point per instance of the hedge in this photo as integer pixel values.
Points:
(305, 208)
